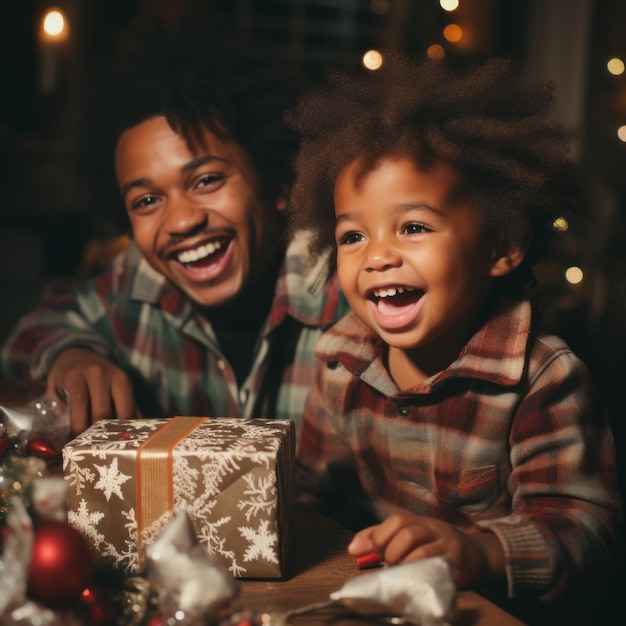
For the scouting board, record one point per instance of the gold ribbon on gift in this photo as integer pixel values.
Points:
(155, 474)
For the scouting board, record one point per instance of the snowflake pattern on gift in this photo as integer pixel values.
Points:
(237, 457)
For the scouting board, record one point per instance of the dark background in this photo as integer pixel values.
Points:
(47, 239)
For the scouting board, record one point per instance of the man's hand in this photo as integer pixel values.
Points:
(92, 386)
(475, 558)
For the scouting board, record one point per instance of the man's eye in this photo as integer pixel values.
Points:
(209, 180)
(144, 201)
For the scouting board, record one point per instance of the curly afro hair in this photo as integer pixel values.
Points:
(195, 80)
(512, 161)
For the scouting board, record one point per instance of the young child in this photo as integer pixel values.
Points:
(211, 310)
(443, 422)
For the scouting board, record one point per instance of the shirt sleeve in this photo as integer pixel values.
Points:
(566, 509)
(327, 470)
(78, 320)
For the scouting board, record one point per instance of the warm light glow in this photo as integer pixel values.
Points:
(615, 66)
(379, 6)
(621, 133)
(449, 5)
(435, 52)
(53, 23)
(573, 275)
(453, 33)
(54, 26)
(372, 59)
(560, 224)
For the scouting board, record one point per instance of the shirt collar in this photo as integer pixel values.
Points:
(496, 353)
(306, 290)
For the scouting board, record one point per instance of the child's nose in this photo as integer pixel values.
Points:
(381, 254)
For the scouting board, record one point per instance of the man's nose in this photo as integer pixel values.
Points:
(184, 216)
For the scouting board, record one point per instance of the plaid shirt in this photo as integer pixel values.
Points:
(136, 318)
(511, 437)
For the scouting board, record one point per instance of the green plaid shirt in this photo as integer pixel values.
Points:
(136, 318)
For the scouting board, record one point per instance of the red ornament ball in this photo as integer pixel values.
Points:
(41, 448)
(61, 564)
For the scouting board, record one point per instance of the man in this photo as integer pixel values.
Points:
(211, 310)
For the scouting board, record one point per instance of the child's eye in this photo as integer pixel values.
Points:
(415, 228)
(349, 238)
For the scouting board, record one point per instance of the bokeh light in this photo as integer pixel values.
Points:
(372, 60)
(453, 33)
(621, 133)
(54, 24)
(379, 7)
(560, 224)
(449, 5)
(574, 275)
(435, 52)
(615, 66)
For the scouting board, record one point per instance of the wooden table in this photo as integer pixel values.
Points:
(319, 564)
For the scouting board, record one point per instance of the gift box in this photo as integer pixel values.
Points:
(234, 477)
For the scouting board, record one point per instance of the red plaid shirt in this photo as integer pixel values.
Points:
(511, 437)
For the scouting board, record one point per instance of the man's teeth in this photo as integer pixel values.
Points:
(390, 291)
(201, 252)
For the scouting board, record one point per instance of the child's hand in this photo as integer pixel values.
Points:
(93, 387)
(476, 559)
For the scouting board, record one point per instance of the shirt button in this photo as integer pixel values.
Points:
(404, 410)
(221, 365)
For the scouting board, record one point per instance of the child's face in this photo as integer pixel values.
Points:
(412, 258)
(197, 217)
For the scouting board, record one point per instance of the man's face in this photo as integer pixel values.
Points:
(197, 217)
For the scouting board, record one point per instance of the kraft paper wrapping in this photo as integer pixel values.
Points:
(234, 477)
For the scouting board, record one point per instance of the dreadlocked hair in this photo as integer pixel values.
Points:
(512, 162)
(195, 80)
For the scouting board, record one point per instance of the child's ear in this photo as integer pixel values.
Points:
(281, 200)
(505, 262)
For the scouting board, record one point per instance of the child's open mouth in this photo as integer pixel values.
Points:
(395, 307)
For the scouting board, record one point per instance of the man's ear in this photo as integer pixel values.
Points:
(505, 262)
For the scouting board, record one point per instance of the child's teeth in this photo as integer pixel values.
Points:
(391, 291)
(201, 252)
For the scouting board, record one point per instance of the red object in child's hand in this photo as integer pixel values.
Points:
(373, 559)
